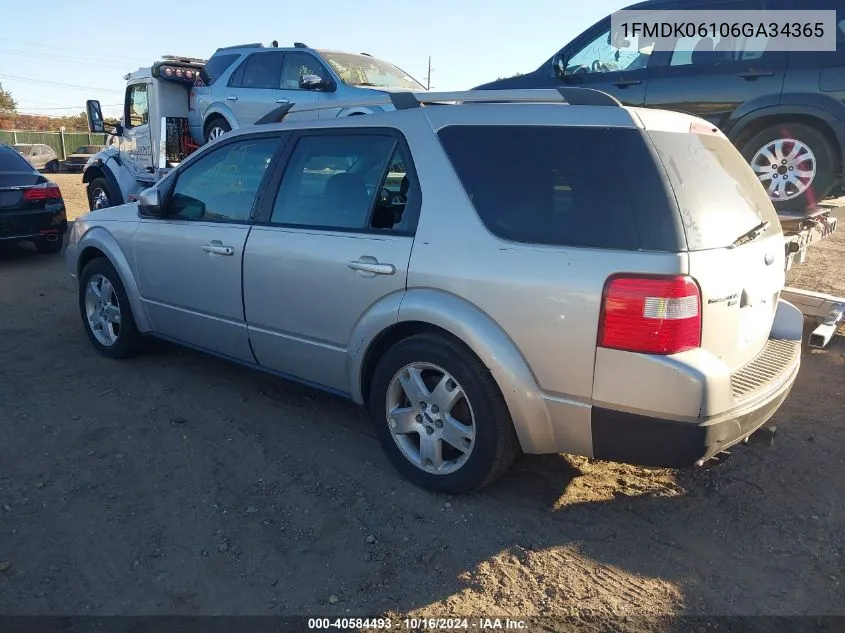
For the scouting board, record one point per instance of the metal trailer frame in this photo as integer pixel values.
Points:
(802, 230)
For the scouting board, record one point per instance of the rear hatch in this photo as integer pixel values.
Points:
(734, 238)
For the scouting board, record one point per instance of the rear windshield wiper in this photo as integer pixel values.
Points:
(751, 235)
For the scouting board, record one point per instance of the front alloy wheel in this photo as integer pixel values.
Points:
(102, 309)
(430, 418)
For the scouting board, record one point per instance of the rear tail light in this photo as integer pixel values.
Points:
(44, 191)
(650, 315)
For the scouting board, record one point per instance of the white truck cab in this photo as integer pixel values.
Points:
(152, 136)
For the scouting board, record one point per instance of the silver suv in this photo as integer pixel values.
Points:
(548, 273)
(244, 83)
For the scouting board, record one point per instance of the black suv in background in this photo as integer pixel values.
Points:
(784, 111)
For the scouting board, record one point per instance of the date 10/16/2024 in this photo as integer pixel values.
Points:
(418, 624)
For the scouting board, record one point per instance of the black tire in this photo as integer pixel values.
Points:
(219, 123)
(52, 167)
(129, 341)
(495, 444)
(94, 188)
(49, 248)
(826, 163)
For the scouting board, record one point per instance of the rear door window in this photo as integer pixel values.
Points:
(564, 186)
(718, 194)
(263, 70)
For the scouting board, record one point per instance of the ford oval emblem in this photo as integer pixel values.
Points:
(769, 259)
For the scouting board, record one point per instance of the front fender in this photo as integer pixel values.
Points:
(482, 335)
(100, 239)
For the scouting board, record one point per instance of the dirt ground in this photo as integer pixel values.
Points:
(176, 483)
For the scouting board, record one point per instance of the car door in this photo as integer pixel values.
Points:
(253, 89)
(135, 141)
(712, 77)
(334, 241)
(188, 263)
(295, 66)
(597, 60)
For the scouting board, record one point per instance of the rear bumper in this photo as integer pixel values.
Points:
(647, 441)
(28, 226)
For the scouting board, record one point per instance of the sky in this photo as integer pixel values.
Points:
(83, 50)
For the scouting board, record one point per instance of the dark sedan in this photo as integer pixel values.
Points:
(31, 207)
(76, 162)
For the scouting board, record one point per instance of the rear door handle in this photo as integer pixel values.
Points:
(371, 265)
(231, 98)
(622, 83)
(751, 75)
(282, 100)
(216, 247)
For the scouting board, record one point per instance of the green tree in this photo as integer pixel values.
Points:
(7, 102)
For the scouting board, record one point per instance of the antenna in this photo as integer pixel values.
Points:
(428, 75)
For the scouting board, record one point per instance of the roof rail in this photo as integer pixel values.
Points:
(253, 45)
(300, 45)
(408, 100)
(567, 95)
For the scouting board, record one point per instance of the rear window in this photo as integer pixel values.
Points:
(216, 66)
(718, 194)
(564, 186)
(10, 160)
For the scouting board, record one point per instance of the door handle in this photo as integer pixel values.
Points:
(751, 75)
(282, 100)
(627, 82)
(371, 265)
(216, 247)
(231, 98)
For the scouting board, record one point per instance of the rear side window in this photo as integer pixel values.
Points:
(216, 66)
(262, 70)
(563, 186)
(10, 160)
(718, 194)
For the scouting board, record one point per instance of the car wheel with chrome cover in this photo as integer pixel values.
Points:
(440, 415)
(105, 310)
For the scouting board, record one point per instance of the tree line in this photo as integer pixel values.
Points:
(11, 119)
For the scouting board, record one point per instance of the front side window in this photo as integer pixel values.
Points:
(137, 109)
(222, 184)
(216, 66)
(601, 56)
(363, 70)
(296, 66)
(262, 70)
(344, 182)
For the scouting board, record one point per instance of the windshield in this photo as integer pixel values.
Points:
(362, 70)
(24, 149)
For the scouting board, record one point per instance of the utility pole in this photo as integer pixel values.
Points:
(428, 76)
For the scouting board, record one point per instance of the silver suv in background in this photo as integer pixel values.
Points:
(39, 155)
(244, 83)
(560, 275)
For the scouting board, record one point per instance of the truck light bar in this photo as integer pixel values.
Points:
(180, 71)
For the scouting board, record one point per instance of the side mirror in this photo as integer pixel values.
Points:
(311, 82)
(559, 65)
(149, 203)
(96, 125)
